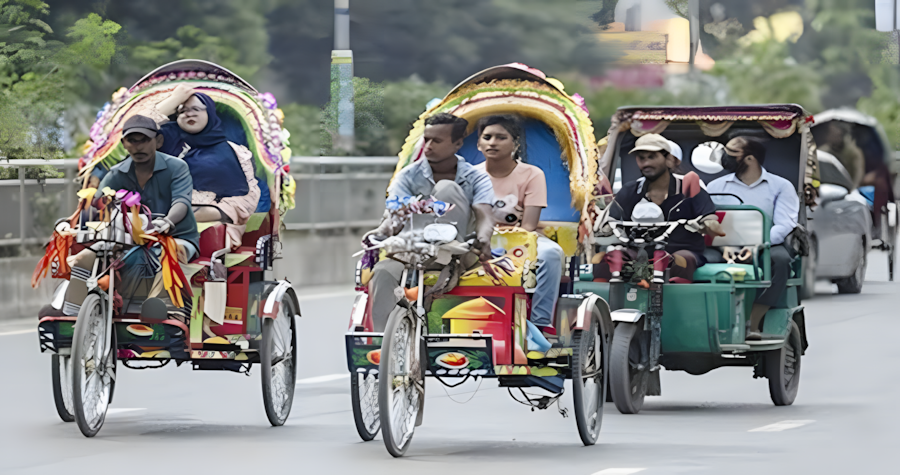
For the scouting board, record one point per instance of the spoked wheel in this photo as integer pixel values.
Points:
(628, 369)
(364, 395)
(279, 362)
(93, 366)
(61, 372)
(783, 369)
(589, 365)
(400, 381)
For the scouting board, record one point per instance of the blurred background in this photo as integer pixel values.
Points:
(61, 60)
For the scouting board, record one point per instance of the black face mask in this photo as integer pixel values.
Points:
(732, 164)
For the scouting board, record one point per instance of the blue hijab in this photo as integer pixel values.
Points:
(214, 165)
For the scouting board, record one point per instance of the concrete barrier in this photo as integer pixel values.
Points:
(19, 300)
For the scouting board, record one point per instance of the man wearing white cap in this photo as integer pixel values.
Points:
(677, 200)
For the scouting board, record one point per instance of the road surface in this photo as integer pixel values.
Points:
(175, 420)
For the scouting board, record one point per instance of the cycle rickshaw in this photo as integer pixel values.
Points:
(701, 326)
(114, 309)
(479, 327)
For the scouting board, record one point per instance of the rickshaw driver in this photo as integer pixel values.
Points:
(163, 181)
(775, 196)
(679, 197)
(449, 178)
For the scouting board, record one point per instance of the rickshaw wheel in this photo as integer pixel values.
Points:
(279, 362)
(783, 369)
(628, 383)
(61, 372)
(400, 381)
(364, 395)
(589, 368)
(92, 375)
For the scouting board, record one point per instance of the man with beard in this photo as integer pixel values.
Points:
(679, 198)
(777, 198)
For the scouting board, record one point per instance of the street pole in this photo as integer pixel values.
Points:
(694, 26)
(342, 76)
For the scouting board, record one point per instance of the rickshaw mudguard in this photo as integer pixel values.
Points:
(778, 322)
(274, 294)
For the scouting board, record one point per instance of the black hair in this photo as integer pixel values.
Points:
(459, 124)
(754, 146)
(512, 124)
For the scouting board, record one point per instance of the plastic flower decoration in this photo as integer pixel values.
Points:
(392, 203)
(440, 208)
(268, 100)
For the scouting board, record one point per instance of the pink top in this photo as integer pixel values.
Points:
(525, 186)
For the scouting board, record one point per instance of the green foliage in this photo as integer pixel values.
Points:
(304, 124)
(368, 114)
(191, 43)
(679, 7)
(93, 45)
(404, 102)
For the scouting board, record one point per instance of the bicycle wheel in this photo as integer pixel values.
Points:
(589, 379)
(93, 366)
(61, 372)
(400, 381)
(364, 395)
(279, 363)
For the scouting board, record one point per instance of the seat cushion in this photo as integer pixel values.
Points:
(212, 238)
(740, 272)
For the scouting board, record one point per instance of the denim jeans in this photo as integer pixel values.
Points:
(549, 273)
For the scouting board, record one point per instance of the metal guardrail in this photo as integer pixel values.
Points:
(333, 193)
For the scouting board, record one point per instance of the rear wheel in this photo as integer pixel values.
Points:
(364, 395)
(783, 369)
(589, 365)
(400, 381)
(61, 372)
(279, 362)
(628, 368)
(854, 283)
(93, 366)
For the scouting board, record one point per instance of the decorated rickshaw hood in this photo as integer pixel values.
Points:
(517, 88)
(778, 120)
(257, 113)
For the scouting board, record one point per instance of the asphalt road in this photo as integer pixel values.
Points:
(175, 420)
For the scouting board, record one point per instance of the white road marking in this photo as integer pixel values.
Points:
(619, 471)
(323, 379)
(18, 332)
(117, 411)
(783, 425)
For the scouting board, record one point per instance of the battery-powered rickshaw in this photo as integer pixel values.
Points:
(697, 327)
(477, 326)
(131, 302)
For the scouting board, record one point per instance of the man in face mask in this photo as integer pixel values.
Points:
(776, 197)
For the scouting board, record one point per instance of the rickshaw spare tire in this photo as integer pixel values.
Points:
(628, 385)
(61, 373)
(783, 369)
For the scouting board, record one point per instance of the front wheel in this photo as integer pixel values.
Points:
(93, 366)
(400, 381)
(279, 362)
(61, 372)
(628, 370)
(783, 369)
(589, 365)
(364, 396)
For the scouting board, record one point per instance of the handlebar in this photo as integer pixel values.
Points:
(692, 225)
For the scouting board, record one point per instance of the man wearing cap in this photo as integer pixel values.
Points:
(777, 198)
(163, 181)
(677, 199)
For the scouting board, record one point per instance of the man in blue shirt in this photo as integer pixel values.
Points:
(776, 197)
(163, 181)
(449, 178)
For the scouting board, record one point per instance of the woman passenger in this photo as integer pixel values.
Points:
(225, 185)
(521, 191)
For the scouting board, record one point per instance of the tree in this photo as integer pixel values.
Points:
(679, 7)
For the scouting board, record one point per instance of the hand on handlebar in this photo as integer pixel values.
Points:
(712, 228)
(162, 225)
(483, 251)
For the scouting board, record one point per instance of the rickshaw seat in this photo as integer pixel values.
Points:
(744, 226)
(739, 272)
(519, 261)
(212, 239)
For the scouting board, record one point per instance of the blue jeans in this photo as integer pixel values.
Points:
(549, 272)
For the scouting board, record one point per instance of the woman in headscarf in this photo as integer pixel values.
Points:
(225, 186)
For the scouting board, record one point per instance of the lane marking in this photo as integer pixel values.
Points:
(323, 379)
(619, 471)
(783, 425)
(117, 411)
(18, 332)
